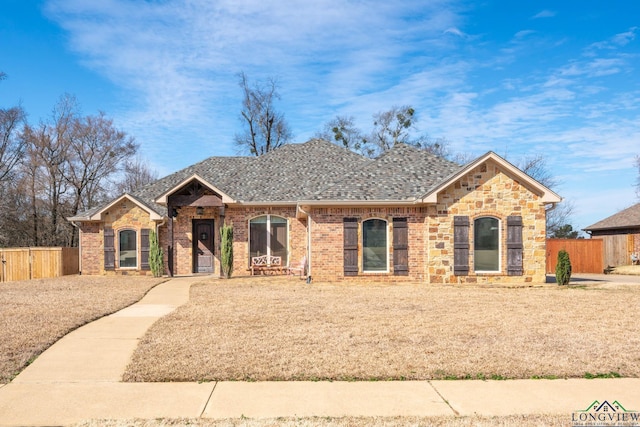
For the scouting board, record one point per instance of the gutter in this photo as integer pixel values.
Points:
(406, 202)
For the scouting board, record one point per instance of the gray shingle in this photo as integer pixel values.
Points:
(314, 170)
(627, 218)
(402, 173)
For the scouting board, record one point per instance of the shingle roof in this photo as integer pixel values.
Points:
(316, 170)
(402, 173)
(627, 218)
(292, 172)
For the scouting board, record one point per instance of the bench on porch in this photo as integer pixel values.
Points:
(266, 264)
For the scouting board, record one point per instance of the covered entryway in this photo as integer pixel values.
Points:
(203, 247)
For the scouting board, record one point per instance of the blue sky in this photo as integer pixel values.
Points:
(519, 78)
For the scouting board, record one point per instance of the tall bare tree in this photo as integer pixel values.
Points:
(97, 150)
(265, 129)
(48, 150)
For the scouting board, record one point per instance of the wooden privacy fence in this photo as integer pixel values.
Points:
(37, 263)
(586, 255)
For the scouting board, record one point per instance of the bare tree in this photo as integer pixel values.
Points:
(265, 129)
(97, 150)
(48, 150)
(391, 127)
(11, 143)
(343, 131)
(136, 174)
(560, 215)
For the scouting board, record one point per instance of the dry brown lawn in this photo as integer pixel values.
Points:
(283, 329)
(476, 421)
(35, 314)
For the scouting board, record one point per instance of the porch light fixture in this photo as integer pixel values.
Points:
(174, 213)
(221, 210)
(199, 210)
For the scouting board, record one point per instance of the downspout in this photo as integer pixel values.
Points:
(79, 246)
(546, 211)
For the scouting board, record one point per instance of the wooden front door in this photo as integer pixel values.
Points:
(203, 248)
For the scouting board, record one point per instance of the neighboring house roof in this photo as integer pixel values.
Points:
(627, 218)
(318, 172)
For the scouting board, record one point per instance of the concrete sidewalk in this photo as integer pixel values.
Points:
(78, 378)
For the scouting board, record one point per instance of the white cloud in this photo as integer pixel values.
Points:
(544, 14)
(176, 62)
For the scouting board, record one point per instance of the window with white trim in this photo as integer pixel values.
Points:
(375, 249)
(268, 235)
(127, 249)
(486, 244)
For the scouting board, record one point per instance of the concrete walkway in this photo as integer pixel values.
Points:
(78, 378)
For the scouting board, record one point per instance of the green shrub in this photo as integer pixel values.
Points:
(156, 262)
(226, 250)
(563, 268)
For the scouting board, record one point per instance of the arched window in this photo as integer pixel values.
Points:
(374, 245)
(486, 244)
(268, 235)
(128, 252)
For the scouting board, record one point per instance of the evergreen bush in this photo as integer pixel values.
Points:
(156, 262)
(563, 268)
(226, 250)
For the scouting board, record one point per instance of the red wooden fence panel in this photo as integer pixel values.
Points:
(586, 255)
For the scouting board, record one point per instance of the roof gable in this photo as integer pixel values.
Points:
(546, 194)
(96, 214)
(162, 199)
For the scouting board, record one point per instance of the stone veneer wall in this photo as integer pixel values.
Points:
(124, 215)
(487, 191)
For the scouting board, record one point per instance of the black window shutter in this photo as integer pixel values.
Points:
(351, 246)
(144, 249)
(400, 247)
(514, 245)
(109, 249)
(461, 245)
